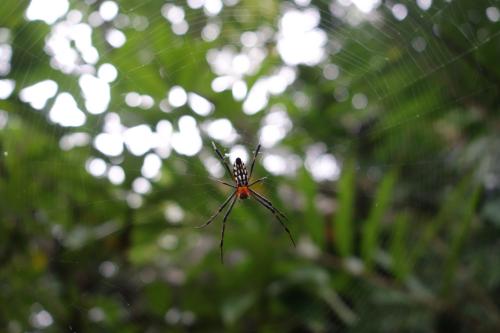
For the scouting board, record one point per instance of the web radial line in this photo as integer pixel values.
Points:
(224, 229)
(275, 213)
(221, 157)
(257, 181)
(261, 197)
(253, 161)
(218, 211)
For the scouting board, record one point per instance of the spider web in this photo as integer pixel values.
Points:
(135, 100)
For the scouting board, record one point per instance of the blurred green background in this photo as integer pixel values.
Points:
(379, 122)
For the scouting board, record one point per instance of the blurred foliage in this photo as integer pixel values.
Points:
(407, 239)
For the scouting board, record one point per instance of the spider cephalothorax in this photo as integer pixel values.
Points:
(242, 190)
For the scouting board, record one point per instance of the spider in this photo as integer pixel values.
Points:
(242, 191)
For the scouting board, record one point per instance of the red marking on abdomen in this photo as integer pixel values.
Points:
(243, 192)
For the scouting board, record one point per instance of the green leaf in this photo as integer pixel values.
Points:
(446, 213)
(343, 228)
(398, 250)
(371, 228)
(459, 237)
(235, 307)
(314, 222)
(158, 296)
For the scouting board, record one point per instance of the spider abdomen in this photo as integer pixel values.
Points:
(240, 173)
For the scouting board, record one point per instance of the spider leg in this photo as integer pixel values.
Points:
(224, 229)
(253, 161)
(222, 159)
(275, 213)
(257, 181)
(222, 182)
(261, 197)
(218, 211)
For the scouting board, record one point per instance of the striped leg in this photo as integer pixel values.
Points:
(218, 211)
(257, 181)
(253, 161)
(275, 212)
(222, 182)
(224, 229)
(260, 196)
(222, 159)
